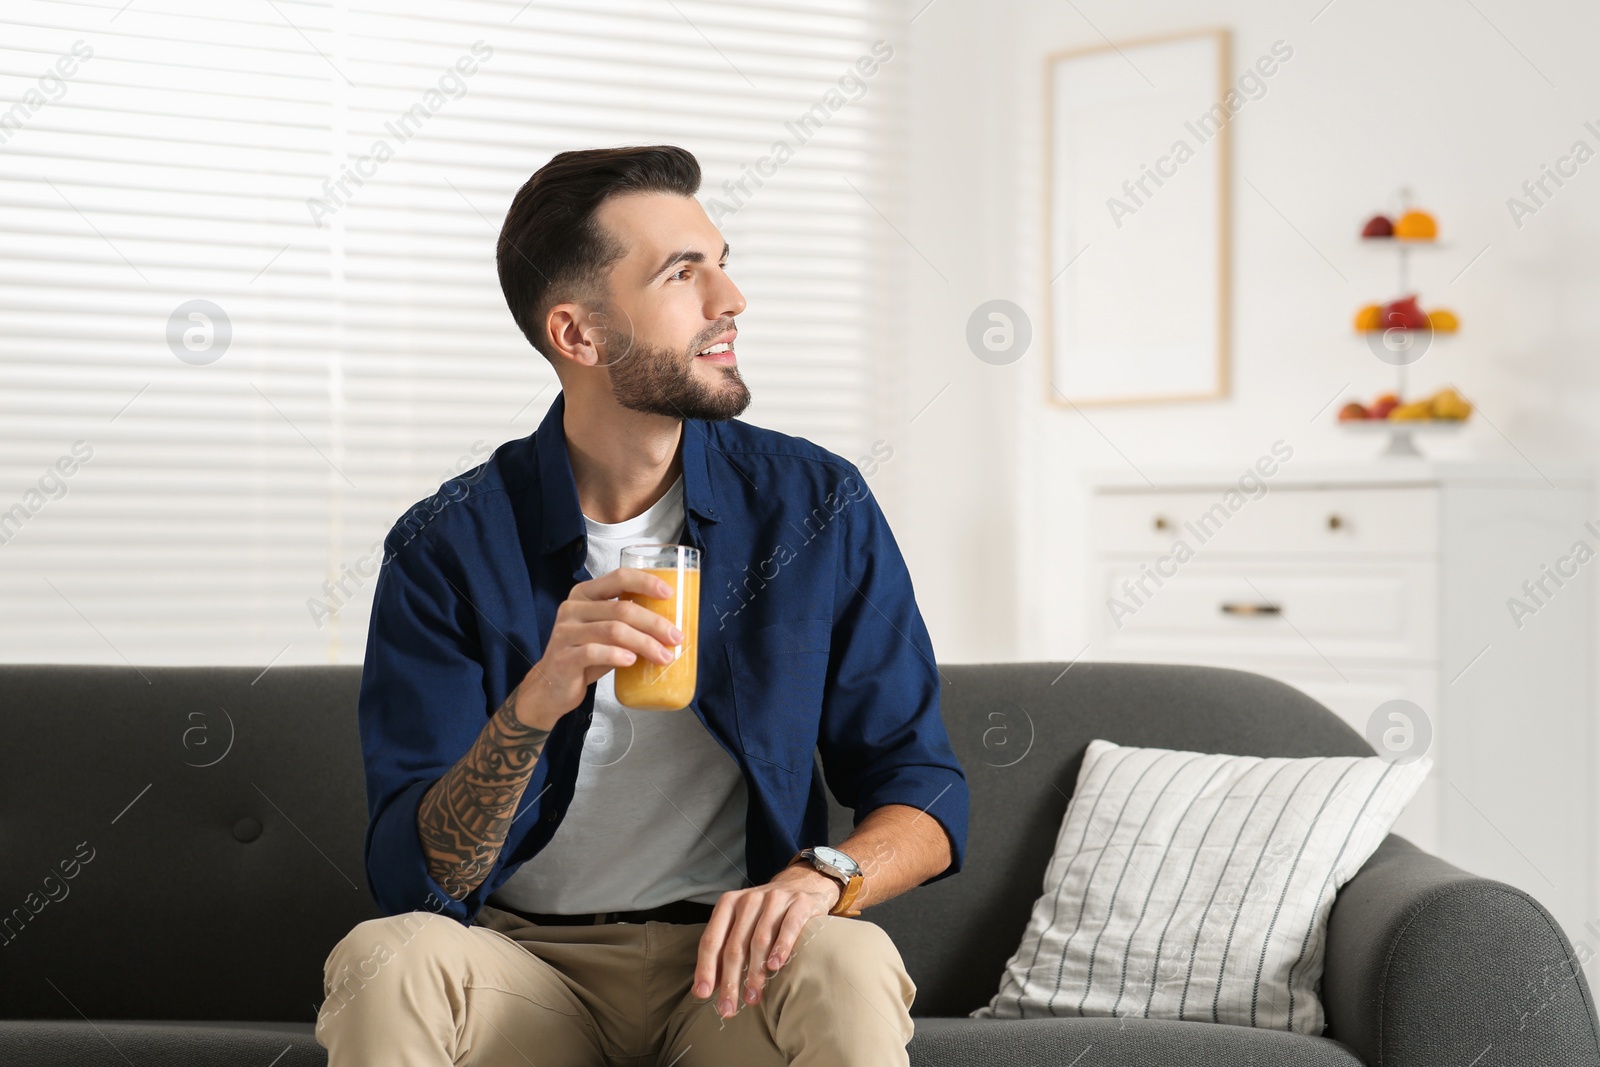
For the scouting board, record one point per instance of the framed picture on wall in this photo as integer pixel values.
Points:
(1136, 221)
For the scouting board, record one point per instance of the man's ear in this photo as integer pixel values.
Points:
(576, 333)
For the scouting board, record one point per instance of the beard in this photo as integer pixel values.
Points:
(660, 381)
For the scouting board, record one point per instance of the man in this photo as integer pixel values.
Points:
(571, 882)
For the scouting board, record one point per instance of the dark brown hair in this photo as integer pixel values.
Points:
(551, 249)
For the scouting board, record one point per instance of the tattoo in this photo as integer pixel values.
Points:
(464, 818)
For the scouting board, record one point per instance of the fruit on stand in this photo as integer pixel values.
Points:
(1400, 322)
(1405, 314)
(1416, 226)
(1413, 225)
(1446, 405)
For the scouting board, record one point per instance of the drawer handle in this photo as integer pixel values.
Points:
(1161, 523)
(1335, 522)
(1236, 608)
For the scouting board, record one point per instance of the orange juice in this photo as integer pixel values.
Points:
(646, 685)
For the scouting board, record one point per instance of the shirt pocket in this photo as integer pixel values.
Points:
(779, 673)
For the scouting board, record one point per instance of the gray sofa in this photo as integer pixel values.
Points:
(211, 820)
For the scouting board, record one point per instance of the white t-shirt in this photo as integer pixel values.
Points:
(658, 814)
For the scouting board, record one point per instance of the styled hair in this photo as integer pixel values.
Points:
(551, 249)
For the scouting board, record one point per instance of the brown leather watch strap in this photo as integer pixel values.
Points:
(852, 890)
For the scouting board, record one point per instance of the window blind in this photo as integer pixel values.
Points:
(248, 304)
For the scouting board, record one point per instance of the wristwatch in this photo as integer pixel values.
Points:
(836, 865)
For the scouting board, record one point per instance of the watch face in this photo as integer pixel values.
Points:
(838, 859)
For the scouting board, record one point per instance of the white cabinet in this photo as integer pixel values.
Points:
(1464, 588)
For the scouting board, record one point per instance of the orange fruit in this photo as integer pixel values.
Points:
(1370, 318)
(1443, 320)
(1416, 226)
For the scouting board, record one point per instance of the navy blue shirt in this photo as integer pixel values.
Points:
(811, 644)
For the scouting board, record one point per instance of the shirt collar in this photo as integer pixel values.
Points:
(562, 519)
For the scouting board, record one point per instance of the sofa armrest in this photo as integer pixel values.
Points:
(1427, 964)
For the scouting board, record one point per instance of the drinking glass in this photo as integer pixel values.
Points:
(644, 684)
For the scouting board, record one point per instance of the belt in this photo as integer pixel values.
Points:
(679, 911)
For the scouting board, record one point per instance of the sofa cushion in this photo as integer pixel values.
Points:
(224, 810)
(1195, 886)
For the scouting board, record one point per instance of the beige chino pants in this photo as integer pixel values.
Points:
(422, 990)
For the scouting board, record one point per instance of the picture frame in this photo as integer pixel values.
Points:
(1137, 231)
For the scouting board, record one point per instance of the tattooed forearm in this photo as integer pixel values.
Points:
(464, 818)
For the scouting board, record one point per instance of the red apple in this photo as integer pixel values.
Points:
(1405, 314)
(1382, 406)
(1378, 226)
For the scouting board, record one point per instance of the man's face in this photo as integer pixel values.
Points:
(670, 300)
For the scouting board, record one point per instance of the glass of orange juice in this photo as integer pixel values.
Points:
(644, 684)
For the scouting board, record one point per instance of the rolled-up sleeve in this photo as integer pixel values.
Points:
(882, 739)
(422, 705)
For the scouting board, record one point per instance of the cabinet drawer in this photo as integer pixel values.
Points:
(1317, 610)
(1342, 521)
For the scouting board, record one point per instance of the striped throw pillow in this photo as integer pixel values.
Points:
(1197, 887)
